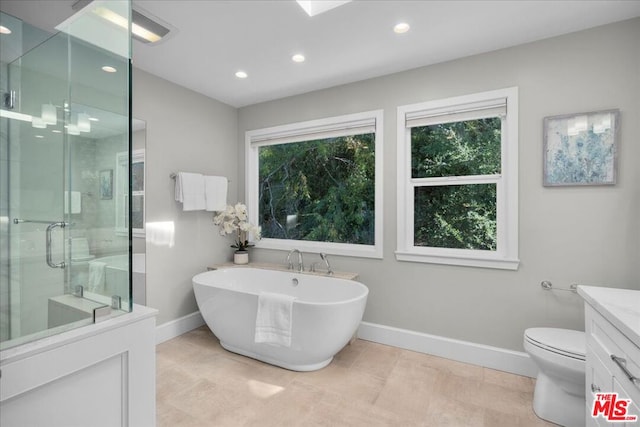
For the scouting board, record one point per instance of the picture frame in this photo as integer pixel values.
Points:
(581, 149)
(106, 184)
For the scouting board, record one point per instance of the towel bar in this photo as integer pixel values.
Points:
(36, 221)
(548, 286)
(173, 175)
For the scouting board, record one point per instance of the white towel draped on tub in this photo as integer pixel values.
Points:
(274, 319)
(190, 191)
(215, 193)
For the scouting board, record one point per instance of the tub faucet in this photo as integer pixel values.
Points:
(325, 258)
(300, 261)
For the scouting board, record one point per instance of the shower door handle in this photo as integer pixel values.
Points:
(49, 230)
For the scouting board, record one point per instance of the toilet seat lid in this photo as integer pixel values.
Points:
(563, 341)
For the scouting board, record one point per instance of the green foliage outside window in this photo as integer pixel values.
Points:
(456, 216)
(464, 148)
(322, 190)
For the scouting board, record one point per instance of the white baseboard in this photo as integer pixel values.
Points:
(177, 327)
(514, 362)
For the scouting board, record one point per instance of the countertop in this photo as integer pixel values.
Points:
(620, 306)
(278, 267)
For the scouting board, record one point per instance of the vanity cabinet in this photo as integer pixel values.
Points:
(613, 349)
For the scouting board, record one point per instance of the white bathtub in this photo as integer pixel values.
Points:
(122, 262)
(326, 313)
(117, 276)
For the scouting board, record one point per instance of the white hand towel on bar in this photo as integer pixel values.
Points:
(190, 191)
(274, 319)
(215, 193)
(97, 276)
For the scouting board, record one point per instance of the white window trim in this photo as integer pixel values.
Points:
(261, 137)
(121, 192)
(506, 255)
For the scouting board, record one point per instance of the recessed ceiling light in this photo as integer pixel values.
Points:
(94, 119)
(298, 58)
(241, 74)
(4, 30)
(56, 131)
(39, 136)
(108, 69)
(401, 28)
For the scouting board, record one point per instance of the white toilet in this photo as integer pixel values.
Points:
(559, 354)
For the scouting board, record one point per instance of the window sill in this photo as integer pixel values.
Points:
(343, 249)
(494, 263)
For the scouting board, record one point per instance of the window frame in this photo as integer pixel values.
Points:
(301, 131)
(506, 254)
(122, 188)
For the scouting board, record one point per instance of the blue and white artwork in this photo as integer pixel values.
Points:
(580, 149)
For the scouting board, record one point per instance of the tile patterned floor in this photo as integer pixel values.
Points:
(200, 384)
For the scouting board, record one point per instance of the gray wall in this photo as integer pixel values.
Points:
(588, 235)
(186, 132)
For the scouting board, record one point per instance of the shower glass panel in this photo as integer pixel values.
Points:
(64, 115)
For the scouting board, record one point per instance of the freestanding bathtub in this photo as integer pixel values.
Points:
(325, 315)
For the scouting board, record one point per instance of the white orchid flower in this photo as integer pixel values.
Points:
(233, 220)
(217, 219)
(241, 211)
(229, 227)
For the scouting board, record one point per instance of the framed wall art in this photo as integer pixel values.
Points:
(106, 184)
(581, 149)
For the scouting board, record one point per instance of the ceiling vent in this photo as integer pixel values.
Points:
(145, 27)
(316, 7)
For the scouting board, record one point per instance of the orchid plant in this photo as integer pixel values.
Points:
(233, 220)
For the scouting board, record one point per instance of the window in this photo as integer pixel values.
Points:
(317, 186)
(458, 181)
(137, 193)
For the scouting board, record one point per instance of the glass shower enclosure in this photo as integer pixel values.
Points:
(64, 121)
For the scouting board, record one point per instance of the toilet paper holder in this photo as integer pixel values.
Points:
(548, 286)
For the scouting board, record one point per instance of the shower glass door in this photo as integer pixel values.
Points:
(64, 117)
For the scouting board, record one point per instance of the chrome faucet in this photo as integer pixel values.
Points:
(325, 258)
(300, 261)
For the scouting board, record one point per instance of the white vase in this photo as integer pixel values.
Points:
(241, 257)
